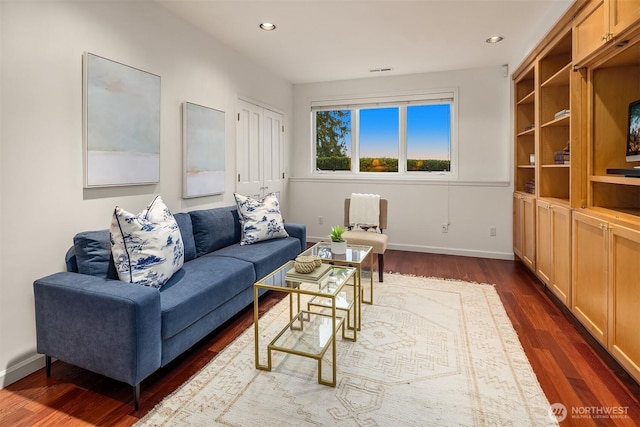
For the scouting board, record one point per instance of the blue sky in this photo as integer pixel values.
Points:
(428, 135)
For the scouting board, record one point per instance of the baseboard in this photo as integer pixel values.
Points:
(21, 370)
(441, 251)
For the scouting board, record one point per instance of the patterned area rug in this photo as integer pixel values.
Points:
(431, 352)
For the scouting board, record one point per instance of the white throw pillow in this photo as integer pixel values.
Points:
(260, 219)
(147, 248)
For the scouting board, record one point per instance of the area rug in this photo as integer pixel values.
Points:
(431, 352)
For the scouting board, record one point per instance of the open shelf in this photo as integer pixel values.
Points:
(615, 84)
(525, 130)
(555, 72)
(560, 121)
(561, 78)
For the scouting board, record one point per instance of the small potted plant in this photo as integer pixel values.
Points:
(338, 244)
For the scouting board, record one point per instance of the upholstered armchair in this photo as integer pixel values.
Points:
(378, 241)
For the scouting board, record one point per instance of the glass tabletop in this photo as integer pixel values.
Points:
(285, 278)
(355, 253)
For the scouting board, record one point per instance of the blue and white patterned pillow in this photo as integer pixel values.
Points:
(260, 219)
(147, 248)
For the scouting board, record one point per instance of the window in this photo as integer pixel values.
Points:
(333, 140)
(401, 135)
(379, 138)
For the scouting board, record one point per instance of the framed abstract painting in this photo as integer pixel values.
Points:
(121, 124)
(203, 144)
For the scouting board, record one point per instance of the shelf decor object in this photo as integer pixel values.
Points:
(203, 143)
(121, 124)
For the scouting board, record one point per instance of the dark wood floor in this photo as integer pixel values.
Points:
(572, 369)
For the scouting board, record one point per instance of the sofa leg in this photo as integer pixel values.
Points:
(380, 267)
(47, 359)
(136, 397)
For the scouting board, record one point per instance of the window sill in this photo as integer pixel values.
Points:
(442, 179)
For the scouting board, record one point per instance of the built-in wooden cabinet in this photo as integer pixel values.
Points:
(589, 290)
(584, 215)
(606, 288)
(553, 248)
(524, 225)
(543, 163)
(602, 22)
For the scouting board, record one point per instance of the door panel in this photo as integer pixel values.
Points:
(248, 143)
(625, 297)
(589, 287)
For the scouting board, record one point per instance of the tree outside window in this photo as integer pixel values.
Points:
(333, 140)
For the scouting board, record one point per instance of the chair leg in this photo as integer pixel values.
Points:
(380, 267)
(47, 359)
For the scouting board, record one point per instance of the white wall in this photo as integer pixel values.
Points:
(42, 203)
(480, 198)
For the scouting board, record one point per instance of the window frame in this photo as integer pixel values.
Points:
(400, 101)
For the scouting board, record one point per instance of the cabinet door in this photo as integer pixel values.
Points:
(544, 243)
(529, 222)
(518, 226)
(590, 30)
(589, 284)
(560, 283)
(624, 259)
(524, 229)
(622, 14)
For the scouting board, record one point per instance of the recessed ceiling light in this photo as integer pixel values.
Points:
(494, 39)
(268, 26)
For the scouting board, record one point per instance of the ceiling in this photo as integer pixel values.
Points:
(325, 40)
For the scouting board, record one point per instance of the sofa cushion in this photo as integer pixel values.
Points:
(265, 256)
(200, 287)
(147, 248)
(215, 228)
(186, 231)
(260, 219)
(93, 254)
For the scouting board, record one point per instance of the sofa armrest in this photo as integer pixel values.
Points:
(105, 326)
(299, 231)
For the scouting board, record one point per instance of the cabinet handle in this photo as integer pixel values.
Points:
(603, 227)
(606, 36)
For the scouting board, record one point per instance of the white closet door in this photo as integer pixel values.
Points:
(259, 150)
(249, 140)
(273, 180)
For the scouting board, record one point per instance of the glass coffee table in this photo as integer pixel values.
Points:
(354, 256)
(309, 333)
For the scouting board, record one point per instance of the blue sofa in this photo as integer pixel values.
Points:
(88, 318)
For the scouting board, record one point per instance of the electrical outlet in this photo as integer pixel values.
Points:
(320, 220)
(492, 231)
(445, 228)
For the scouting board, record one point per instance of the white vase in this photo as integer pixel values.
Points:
(339, 248)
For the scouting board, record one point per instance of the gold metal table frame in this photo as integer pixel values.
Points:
(309, 333)
(354, 257)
